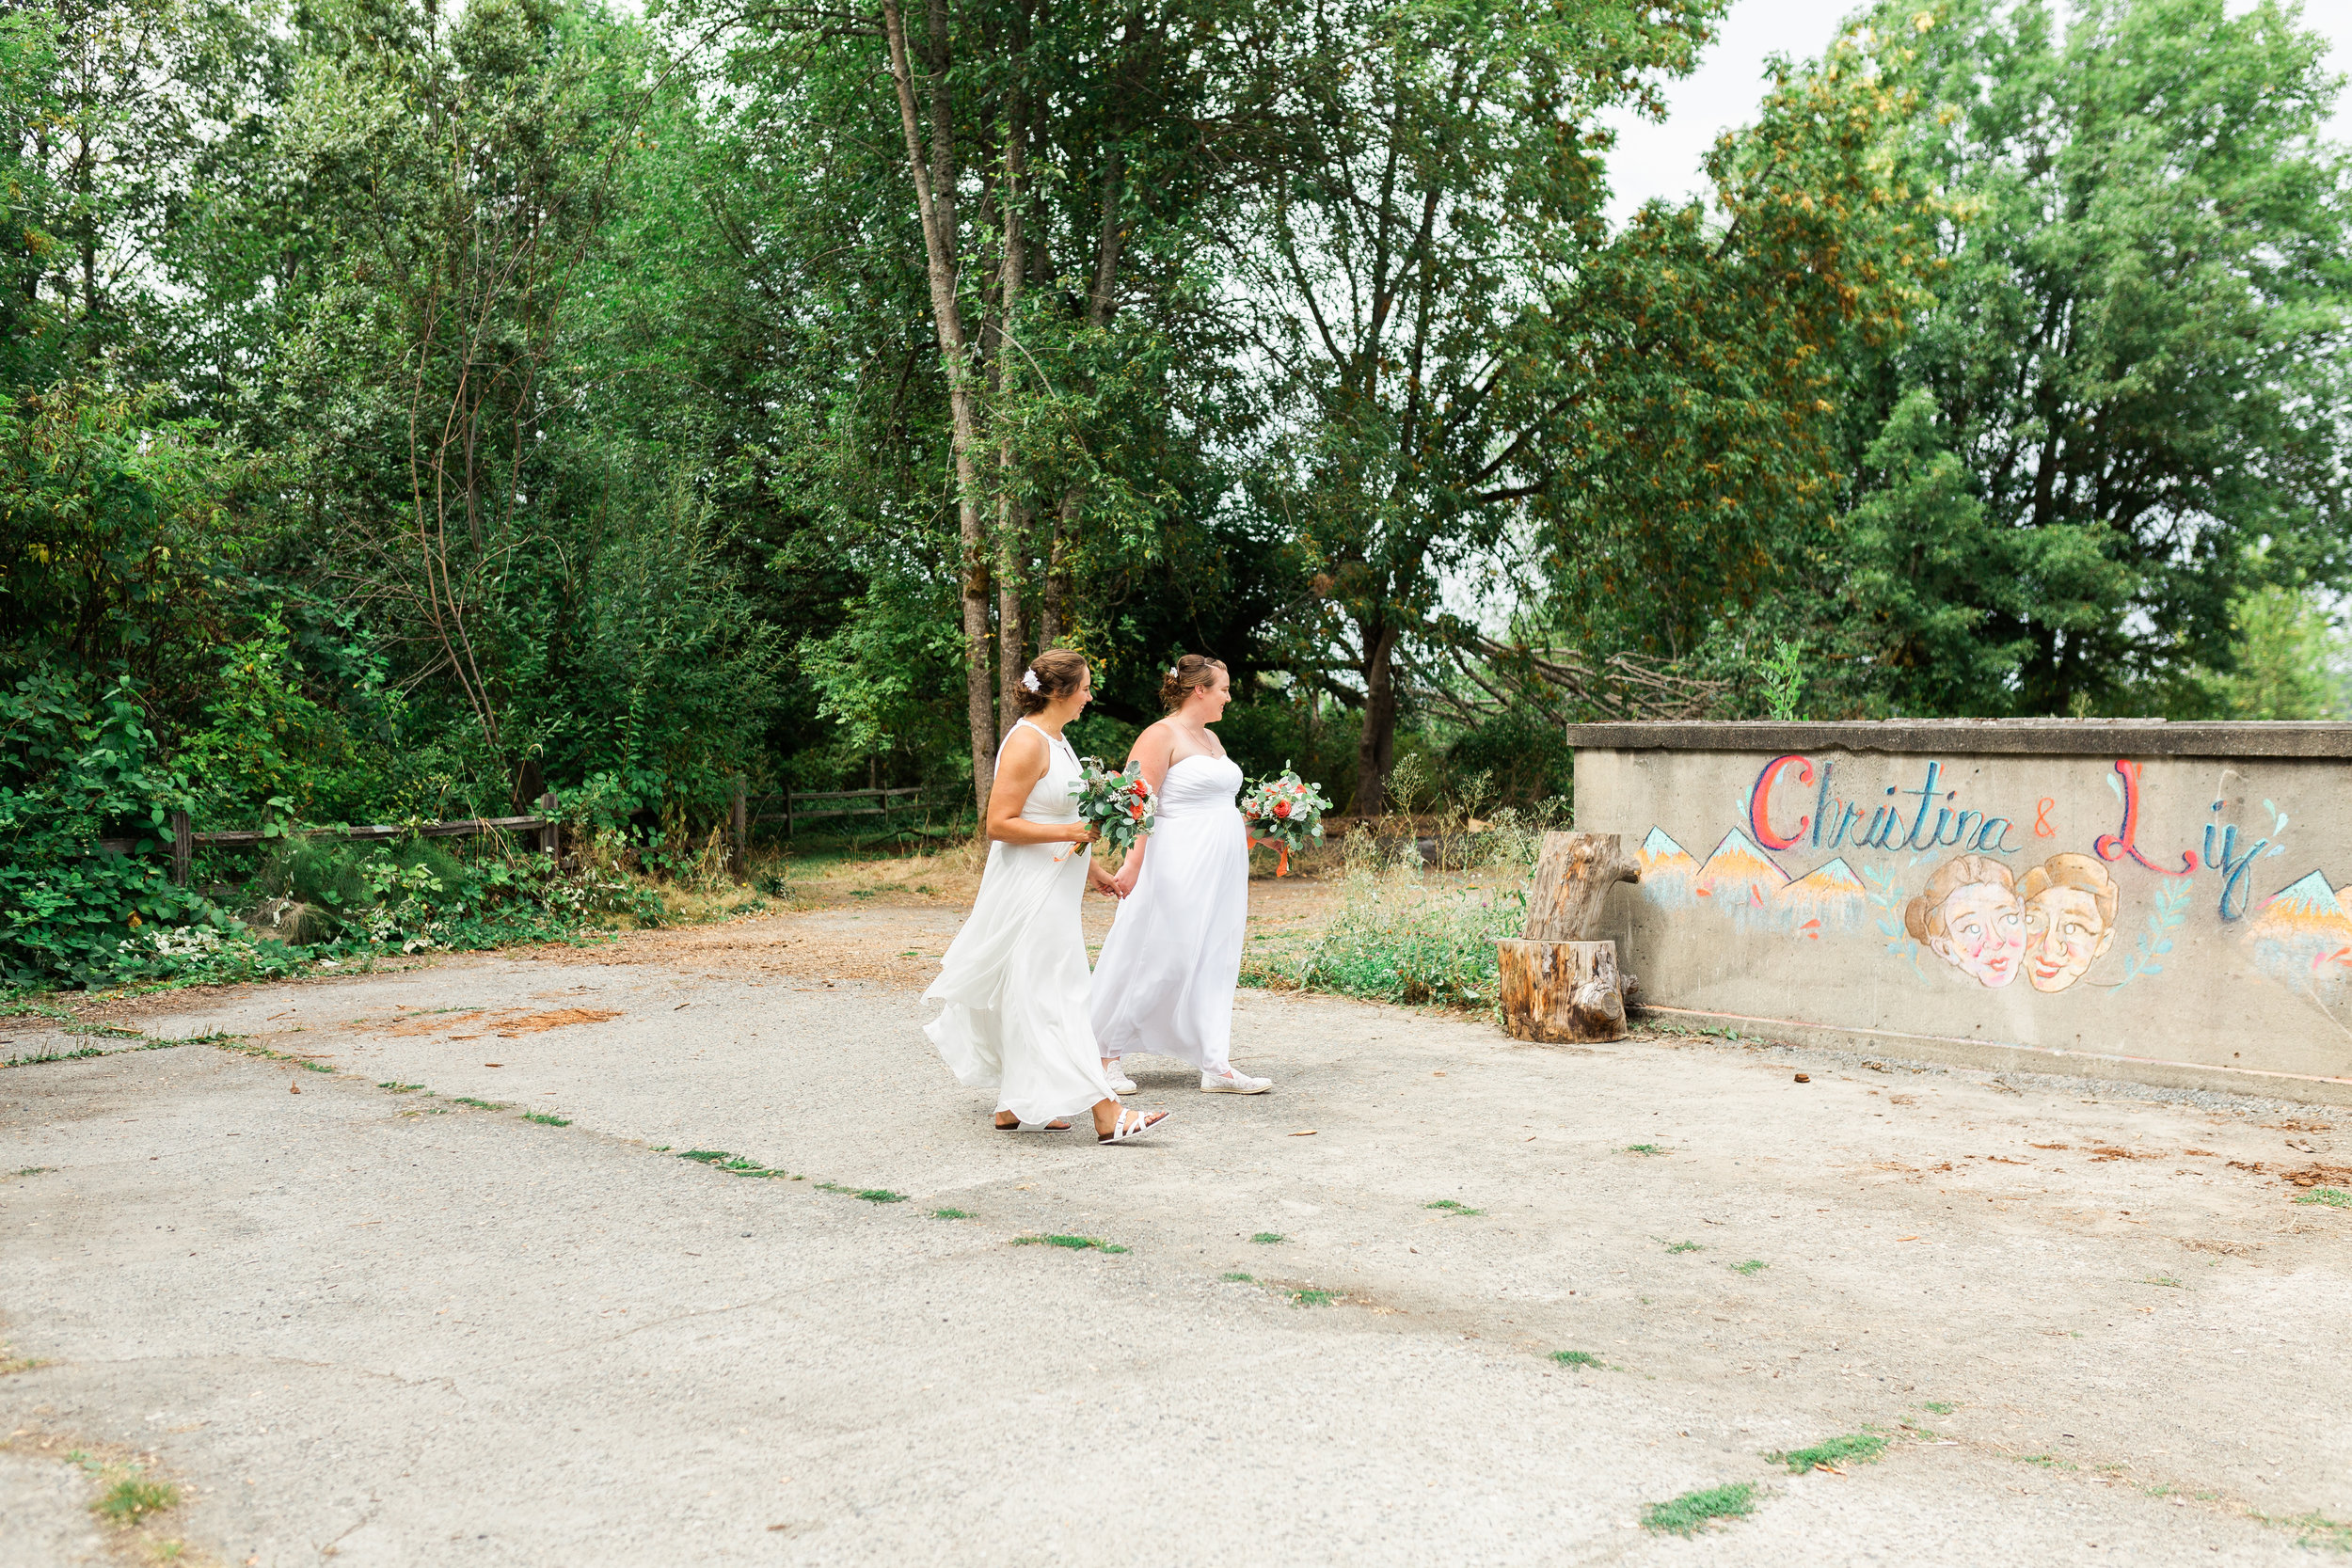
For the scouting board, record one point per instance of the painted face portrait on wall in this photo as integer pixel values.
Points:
(2070, 919)
(1969, 916)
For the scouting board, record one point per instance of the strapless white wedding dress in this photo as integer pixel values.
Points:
(1163, 984)
(1014, 980)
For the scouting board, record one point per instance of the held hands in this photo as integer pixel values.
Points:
(1124, 883)
(1104, 882)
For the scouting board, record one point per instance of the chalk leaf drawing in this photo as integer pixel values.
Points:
(2170, 907)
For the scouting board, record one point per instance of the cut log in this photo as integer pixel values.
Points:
(1561, 991)
(1573, 877)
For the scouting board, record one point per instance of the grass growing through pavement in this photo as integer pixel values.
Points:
(1575, 1358)
(399, 1089)
(2334, 1197)
(133, 1495)
(1754, 1266)
(477, 1104)
(1452, 1208)
(2315, 1529)
(1855, 1448)
(1241, 1279)
(871, 1195)
(1075, 1244)
(1686, 1246)
(546, 1120)
(1313, 1298)
(1694, 1511)
(1643, 1149)
(1941, 1407)
(736, 1164)
(1266, 1238)
(949, 1214)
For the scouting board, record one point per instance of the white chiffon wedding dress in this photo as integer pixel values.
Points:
(1163, 984)
(1014, 979)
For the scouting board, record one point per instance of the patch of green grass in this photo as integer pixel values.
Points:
(400, 1087)
(1267, 1238)
(1313, 1298)
(1452, 1208)
(133, 1495)
(1754, 1266)
(1855, 1448)
(2164, 1279)
(708, 1156)
(1643, 1149)
(1685, 1247)
(544, 1119)
(2334, 1197)
(36, 1170)
(1393, 940)
(1075, 1244)
(1575, 1358)
(1941, 1407)
(871, 1195)
(477, 1104)
(2047, 1461)
(2315, 1529)
(1241, 1279)
(57, 1056)
(949, 1214)
(319, 1066)
(104, 1031)
(1695, 1511)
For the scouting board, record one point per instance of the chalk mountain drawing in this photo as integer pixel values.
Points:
(2302, 935)
(1743, 879)
(1827, 898)
(1668, 872)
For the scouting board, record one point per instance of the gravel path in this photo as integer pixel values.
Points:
(378, 1323)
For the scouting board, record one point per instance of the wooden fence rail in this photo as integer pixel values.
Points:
(807, 805)
(186, 841)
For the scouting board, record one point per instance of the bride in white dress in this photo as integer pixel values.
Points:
(1014, 980)
(1163, 984)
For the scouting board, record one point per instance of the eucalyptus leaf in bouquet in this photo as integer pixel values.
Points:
(1286, 811)
(1118, 804)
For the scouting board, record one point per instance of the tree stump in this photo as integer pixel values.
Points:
(1561, 992)
(1558, 984)
(1573, 877)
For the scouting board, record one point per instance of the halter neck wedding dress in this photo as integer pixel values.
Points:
(1163, 984)
(1014, 979)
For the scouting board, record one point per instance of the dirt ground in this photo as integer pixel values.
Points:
(462, 1295)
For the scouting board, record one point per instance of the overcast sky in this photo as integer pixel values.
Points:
(1653, 160)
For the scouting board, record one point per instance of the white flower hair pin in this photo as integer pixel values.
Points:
(1028, 680)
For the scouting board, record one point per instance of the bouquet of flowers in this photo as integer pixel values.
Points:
(1285, 811)
(1118, 805)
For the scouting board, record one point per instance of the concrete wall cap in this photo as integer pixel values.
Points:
(2144, 737)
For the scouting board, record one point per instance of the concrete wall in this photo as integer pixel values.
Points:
(2127, 899)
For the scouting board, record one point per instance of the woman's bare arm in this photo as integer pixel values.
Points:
(1155, 750)
(1024, 761)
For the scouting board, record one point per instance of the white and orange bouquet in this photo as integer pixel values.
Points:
(1285, 811)
(1118, 805)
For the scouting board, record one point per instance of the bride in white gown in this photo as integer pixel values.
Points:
(1014, 980)
(1163, 984)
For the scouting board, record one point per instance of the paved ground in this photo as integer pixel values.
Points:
(379, 1324)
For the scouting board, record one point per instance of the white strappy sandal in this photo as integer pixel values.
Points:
(1130, 1124)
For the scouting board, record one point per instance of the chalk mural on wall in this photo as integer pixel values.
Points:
(1984, 914)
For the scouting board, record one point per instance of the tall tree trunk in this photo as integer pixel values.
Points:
(1011, 517)
(1056, 601)
(934, 196)
(1376, 746)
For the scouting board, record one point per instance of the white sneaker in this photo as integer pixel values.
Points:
(1121, 1083)
(1233, 1081)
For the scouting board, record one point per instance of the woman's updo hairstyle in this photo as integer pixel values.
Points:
(1057, 673)
(1190, 670)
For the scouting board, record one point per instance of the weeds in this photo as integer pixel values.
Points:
(1075, 1244)
(1940, 1407)
(1240, 1278)
(2315, 1529)
(2334, 1197)
(1267, 1238)
(949, 1214)
(477, 1104)
(127, 1499)
(1643, 1149)
(36, 1170)
(1577, 1358)
(1855, 1448)
(1451, 1207)
(2047, 1461)
(544, 1119)
(1313, 1298)
(705, 1156)
(1753, 1266)
(397, 1087)
(1685, 1247)
(1694, 1511)
(871, 1195)
(2164, 1279)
